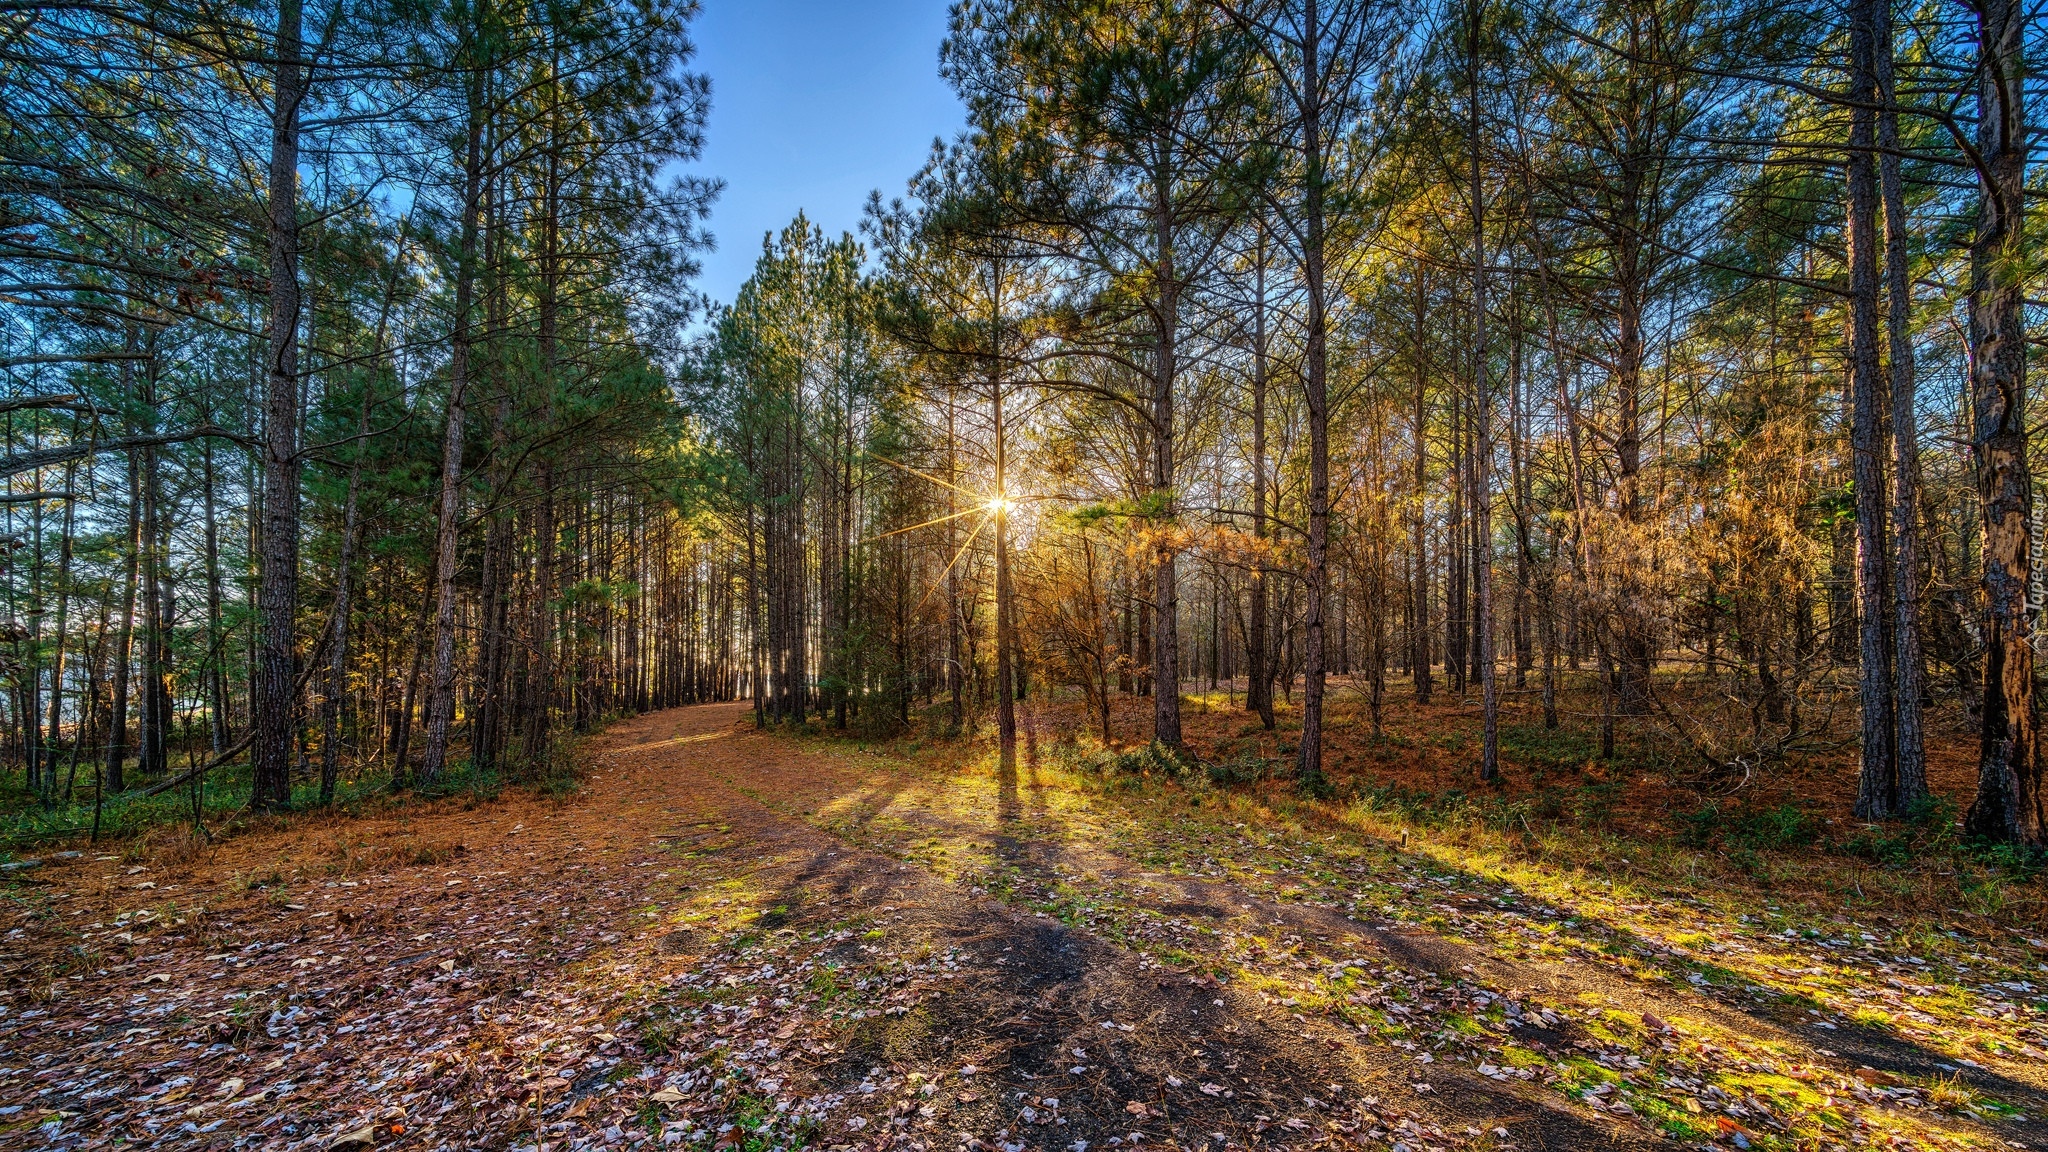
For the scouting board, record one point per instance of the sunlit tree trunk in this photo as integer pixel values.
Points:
(2010, 805)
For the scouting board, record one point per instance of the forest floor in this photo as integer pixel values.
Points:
(730, 939)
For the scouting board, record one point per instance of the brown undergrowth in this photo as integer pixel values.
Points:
(1790, 832)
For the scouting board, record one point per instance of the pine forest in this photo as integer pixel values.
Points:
(1322, 573)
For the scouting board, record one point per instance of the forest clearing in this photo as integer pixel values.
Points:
(1023, 575)
(733, 938)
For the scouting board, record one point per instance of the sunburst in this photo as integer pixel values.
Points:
(998, 506)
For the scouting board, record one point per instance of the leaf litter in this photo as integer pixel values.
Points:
(729, 943)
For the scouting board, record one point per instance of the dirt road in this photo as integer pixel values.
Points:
(728, 941)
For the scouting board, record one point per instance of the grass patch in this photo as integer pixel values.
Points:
(27, 824)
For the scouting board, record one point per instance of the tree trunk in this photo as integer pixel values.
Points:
(1006, 639)
(124, 650)
(218, 723)
(2010, 805)
(154, 754)
(1877, 783)
(1421, 657)
(1165, 577)
(1482, 437)
(540, 681)
(278, 592)
(1908, 667)
(337, 668)
(1316, 578)
(956, 656)
(53, 731)
(441, 694)
(1259, 642)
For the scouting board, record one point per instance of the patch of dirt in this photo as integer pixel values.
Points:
(727, 942)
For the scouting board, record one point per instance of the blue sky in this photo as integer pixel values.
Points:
(813, 104)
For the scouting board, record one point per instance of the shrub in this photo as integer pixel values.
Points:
(1243, 763)
(1928, 829)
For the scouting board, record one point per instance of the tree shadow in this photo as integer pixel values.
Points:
(1334, 935)
(1094, 1043)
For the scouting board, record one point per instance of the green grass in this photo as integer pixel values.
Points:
(27, 825)
(1535, 746)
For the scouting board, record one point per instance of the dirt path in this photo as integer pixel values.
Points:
(727, 941)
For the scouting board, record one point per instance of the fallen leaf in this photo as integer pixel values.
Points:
(668, 1096)
(364, 1137)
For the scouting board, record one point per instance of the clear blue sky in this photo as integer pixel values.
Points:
(813, 104)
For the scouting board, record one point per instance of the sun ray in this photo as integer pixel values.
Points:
(949, 567)
(926, 475)
(928, 523)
